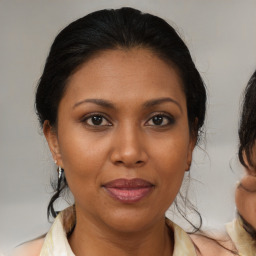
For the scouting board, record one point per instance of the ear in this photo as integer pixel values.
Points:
(191, 146)
(52, 140)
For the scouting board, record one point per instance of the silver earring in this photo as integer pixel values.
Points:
(60, 172)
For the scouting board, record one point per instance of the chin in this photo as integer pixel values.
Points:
(130, 221)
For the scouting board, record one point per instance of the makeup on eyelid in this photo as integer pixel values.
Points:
(98, 119)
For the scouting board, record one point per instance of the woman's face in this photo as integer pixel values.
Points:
(246, 199)
(246, 191)
(123, 138)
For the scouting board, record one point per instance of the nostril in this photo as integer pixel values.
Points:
(120, 162)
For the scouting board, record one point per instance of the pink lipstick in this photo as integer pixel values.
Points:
(128, 191)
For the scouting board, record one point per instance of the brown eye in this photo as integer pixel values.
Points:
(97, 120)
(160, 120)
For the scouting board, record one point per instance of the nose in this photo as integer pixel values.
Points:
(129, 148)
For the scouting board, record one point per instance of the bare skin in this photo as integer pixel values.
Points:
(123, 116)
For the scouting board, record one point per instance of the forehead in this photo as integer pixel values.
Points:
(125, 74)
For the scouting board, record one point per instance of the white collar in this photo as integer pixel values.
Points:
(56, 243)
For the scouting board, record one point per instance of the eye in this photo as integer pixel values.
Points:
(96, 120)
(160, 120)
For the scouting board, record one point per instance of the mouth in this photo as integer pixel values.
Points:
(128, 190)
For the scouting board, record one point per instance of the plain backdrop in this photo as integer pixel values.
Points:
(221, 37)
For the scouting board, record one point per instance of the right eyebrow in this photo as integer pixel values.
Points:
(100, 102)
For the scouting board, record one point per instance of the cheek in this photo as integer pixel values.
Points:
(170, 163)
(83, 157)
(80, 150)
(172, 154)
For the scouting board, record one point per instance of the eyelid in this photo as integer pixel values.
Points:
(163, 114)
(88, 116)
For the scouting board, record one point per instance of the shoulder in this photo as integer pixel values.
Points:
(31, 248)
(211, 247)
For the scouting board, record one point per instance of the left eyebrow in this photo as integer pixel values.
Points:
(154, 102)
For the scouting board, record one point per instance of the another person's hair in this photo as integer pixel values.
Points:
(124, 29)
(247, 138)
(247, 129)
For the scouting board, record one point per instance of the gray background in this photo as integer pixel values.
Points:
(221, 37)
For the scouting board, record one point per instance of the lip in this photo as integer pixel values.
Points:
(128, 190)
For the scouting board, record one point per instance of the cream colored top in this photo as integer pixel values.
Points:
(241, 239)
(56, 243)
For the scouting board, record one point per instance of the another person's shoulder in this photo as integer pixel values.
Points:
(211, 247)
(31, 248)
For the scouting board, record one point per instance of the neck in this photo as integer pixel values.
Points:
(92, 238)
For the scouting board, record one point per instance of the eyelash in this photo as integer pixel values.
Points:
(90, 116)
(170, 120)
